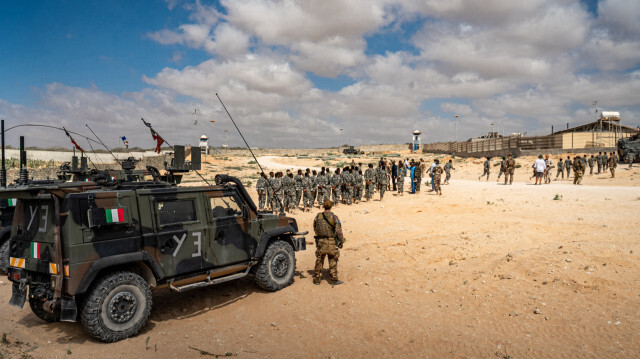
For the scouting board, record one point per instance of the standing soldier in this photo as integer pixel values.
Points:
(630, 157)
(605, 162)
(612, 164)
(560, 168)
(511, 168)
(437, 175)
(370, 182)
(357, 177)
(307, 192)
(261, 186)
(486, 169)
(591, 164)
(402, 172)
(578, 170)
(548, 172)
(329, 240)
(382, 179)
(335, 186)
(447, 169)
(277, 198)
(599, 161)
(323, 186)
(270, 186)
(567, 166)
(503, 168)
(291, 194)
(347, 179)
(298, 178)
(314, 188)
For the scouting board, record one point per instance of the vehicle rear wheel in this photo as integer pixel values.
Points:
(117, 306)
(4, 256)
(37, 307)
(277, 266)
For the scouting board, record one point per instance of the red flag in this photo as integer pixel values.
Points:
(73, 141)
(159, 140)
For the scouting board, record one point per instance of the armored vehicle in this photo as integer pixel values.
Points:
(629, 144)
(352, 151)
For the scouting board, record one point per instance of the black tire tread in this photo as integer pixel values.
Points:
(90, 311)
(4, 255)
(263, 279)
(38, 309)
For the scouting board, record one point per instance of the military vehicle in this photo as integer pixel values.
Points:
(94, 250)
(629, 144)
(352, 151)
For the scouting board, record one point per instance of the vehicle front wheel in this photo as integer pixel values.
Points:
(277, 266)
(117, 306)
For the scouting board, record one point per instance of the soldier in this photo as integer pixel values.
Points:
(567, 166)
(578, 170)
(503, 168)
(370, 182)
(270, 183)
(307, 192)
(402, 172)
(486, 169)
(357, 177)
(322, 186)
(382, 179)
(599, 161)
(591, 165)
(630, 157)
(298, 178)
(547, 172)
(560, 168)
(437, 175)
(289, 184)
(420, 167)
(336, 183)
(605, 162)
(447, 169)
(261, 187)
(347, 183)
(329, 240)
(314, 188)
(276, 203)
(612, 164)
(511, 168)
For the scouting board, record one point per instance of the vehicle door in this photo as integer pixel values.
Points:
(228, 239)
(180, 231)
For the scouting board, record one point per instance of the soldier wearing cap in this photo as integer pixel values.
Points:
(329, 240)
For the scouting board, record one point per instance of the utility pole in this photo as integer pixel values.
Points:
(340, 144)
(212, 123)
(456, 126)
(195, 122)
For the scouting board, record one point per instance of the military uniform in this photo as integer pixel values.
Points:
(336, 183)
(418, 175)
(599, 161)
(630, 157)
(347, 186)
(322, 182)
(560, 169)
(277, 198)
(612, 166)
(328, 231)
(307, 192)
(370, 183)
(567, 166)
(578, 171)
(447, 169)
(605, 162)
(357, 179)
(548, 170)
(261, 186)
(382, 180)
(270, 187)
(437, 175)
(298, 178)
(487, 169)
(511, 168)
(289, 185)
(591, 164)
(503, 168)
(402, 172)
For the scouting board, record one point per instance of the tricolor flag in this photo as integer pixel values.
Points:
(73, 141)
(12, 202)
(155, 136)
(126, 143)
(35, 250)
(115, 215)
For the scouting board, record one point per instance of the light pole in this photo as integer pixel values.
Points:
(456, 125)
(340, 144)
(195, 122)
(212, 122)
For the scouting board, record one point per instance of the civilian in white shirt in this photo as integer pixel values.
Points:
(540, 166)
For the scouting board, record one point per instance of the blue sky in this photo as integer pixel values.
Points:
(295, 72)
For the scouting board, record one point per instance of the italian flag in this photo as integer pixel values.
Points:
(35, 250)
(115, 215)
(12, 202)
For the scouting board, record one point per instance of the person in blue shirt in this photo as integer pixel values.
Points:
(412, 168)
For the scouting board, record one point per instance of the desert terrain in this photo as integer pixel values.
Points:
(483, 271)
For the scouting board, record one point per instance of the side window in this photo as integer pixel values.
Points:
(226, 206)
(176, 211)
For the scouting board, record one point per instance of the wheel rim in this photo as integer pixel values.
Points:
(122, 307)
(280, 265)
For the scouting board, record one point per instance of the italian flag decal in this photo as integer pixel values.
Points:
(35, 250)
(12, 202)
(115, 215)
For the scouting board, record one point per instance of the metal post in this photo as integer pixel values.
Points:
(3, 171)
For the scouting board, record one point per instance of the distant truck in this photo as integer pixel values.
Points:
(352, 151)
(629, 145)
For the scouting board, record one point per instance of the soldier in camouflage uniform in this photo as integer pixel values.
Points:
(437, 175)
(447, 169)
(631, 156)
(370, 182)
(549, 170)
(290, 193)
(307, 192)
(599, 162)
(329, 240)
(560, 168)
(298, 178)
(510, 169)
(261, 187)
(503, 168)
(347, 190)
(578, 170)
(420, 166)
(591, 164)
(357, 177)
(605, 162)
(314, 189)
(336, 183)
(322, 185)
(487, 169)
(270, 186)
(278, 193)
(402, 173)
(382, 179)
(567, 166)
(612, 163)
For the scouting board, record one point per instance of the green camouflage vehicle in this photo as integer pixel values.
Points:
(88, 251)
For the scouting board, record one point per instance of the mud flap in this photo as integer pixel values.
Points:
(18, 296)
(68, 310)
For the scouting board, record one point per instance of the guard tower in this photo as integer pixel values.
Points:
(415, 141)
(204, 144)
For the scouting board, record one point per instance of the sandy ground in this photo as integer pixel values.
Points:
(483, 271)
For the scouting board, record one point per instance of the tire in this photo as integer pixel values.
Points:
(4, 256)
(116, 307)
(38, 309)
(277, 266)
